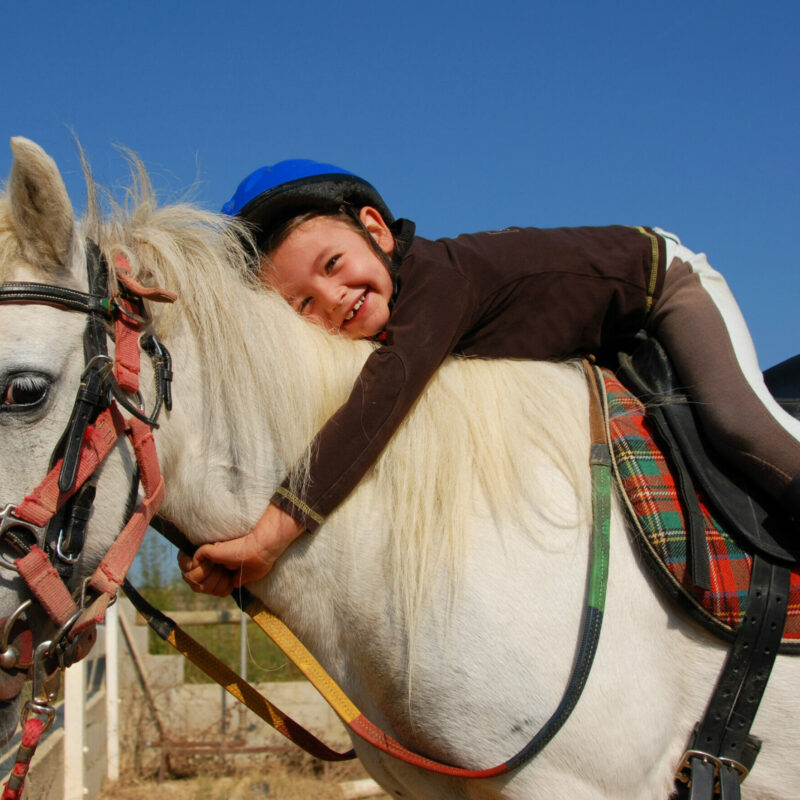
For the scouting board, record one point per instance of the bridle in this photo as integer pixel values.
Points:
(46, 530)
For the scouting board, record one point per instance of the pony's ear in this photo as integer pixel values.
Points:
(40, 206)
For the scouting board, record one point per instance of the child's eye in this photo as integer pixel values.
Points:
(331, 264)
(303, 305)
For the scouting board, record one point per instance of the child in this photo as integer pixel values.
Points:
(331, 247)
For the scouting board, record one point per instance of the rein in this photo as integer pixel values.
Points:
(346, 710)
(46, 529)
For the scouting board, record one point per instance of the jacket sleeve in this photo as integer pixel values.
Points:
(427, 321)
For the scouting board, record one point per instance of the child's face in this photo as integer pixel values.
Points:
(329, 273)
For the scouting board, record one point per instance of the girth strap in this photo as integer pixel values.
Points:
(722, 747)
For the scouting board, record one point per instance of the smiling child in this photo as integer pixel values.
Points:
(331, 247)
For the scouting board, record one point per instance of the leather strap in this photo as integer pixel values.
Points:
(60, 296)
(722, 746)
(46, 585)
(45, 500)
(90, 397)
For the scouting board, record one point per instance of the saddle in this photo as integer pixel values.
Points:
(698, 523)
(747, 514)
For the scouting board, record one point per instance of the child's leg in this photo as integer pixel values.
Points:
(699, 323)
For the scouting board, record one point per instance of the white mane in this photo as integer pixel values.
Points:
(491, 422)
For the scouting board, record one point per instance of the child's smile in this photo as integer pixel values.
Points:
(356, 307)
(328, 272)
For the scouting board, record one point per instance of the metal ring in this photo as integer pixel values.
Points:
(64, 630)
(6, 564)
(129, 314)
(9, 654)
(91, 362)
(18, 611)
(9, 520)
(39, 709)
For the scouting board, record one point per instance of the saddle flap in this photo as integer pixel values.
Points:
(748, 514)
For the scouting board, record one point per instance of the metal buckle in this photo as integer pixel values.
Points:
(684, 771)
(63, 631)
(8, 521)
(739, 767)
(60, 647)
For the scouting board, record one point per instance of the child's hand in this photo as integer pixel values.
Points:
(205, 576)
(223, 566)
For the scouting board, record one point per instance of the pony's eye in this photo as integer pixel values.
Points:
(24, 392)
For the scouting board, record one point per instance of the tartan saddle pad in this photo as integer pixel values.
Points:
(650, 492)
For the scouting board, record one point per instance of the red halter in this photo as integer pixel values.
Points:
(96, 425)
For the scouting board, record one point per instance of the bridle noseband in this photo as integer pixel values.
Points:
(46, 530)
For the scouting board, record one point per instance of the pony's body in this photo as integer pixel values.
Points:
(445, 595)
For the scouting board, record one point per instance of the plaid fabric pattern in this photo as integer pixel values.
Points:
(644, 477)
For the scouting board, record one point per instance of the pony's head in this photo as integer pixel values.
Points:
(41, 361)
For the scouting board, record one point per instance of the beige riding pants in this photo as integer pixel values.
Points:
(699, 323)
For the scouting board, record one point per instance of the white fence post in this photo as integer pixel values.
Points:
(112, 692)
(74, 730)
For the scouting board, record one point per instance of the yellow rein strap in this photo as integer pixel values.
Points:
(235, 685)
(299, 655)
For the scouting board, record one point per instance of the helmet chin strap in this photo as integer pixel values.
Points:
(355, 214)
(402, 231)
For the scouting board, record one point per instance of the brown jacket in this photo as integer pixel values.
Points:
(517, 293)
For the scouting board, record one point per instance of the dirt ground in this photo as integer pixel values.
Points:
(284, 779)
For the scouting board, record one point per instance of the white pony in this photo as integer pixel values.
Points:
(445, 595)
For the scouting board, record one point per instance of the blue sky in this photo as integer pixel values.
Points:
(465, 115)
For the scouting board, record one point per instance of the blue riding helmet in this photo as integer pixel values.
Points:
(274, 194)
